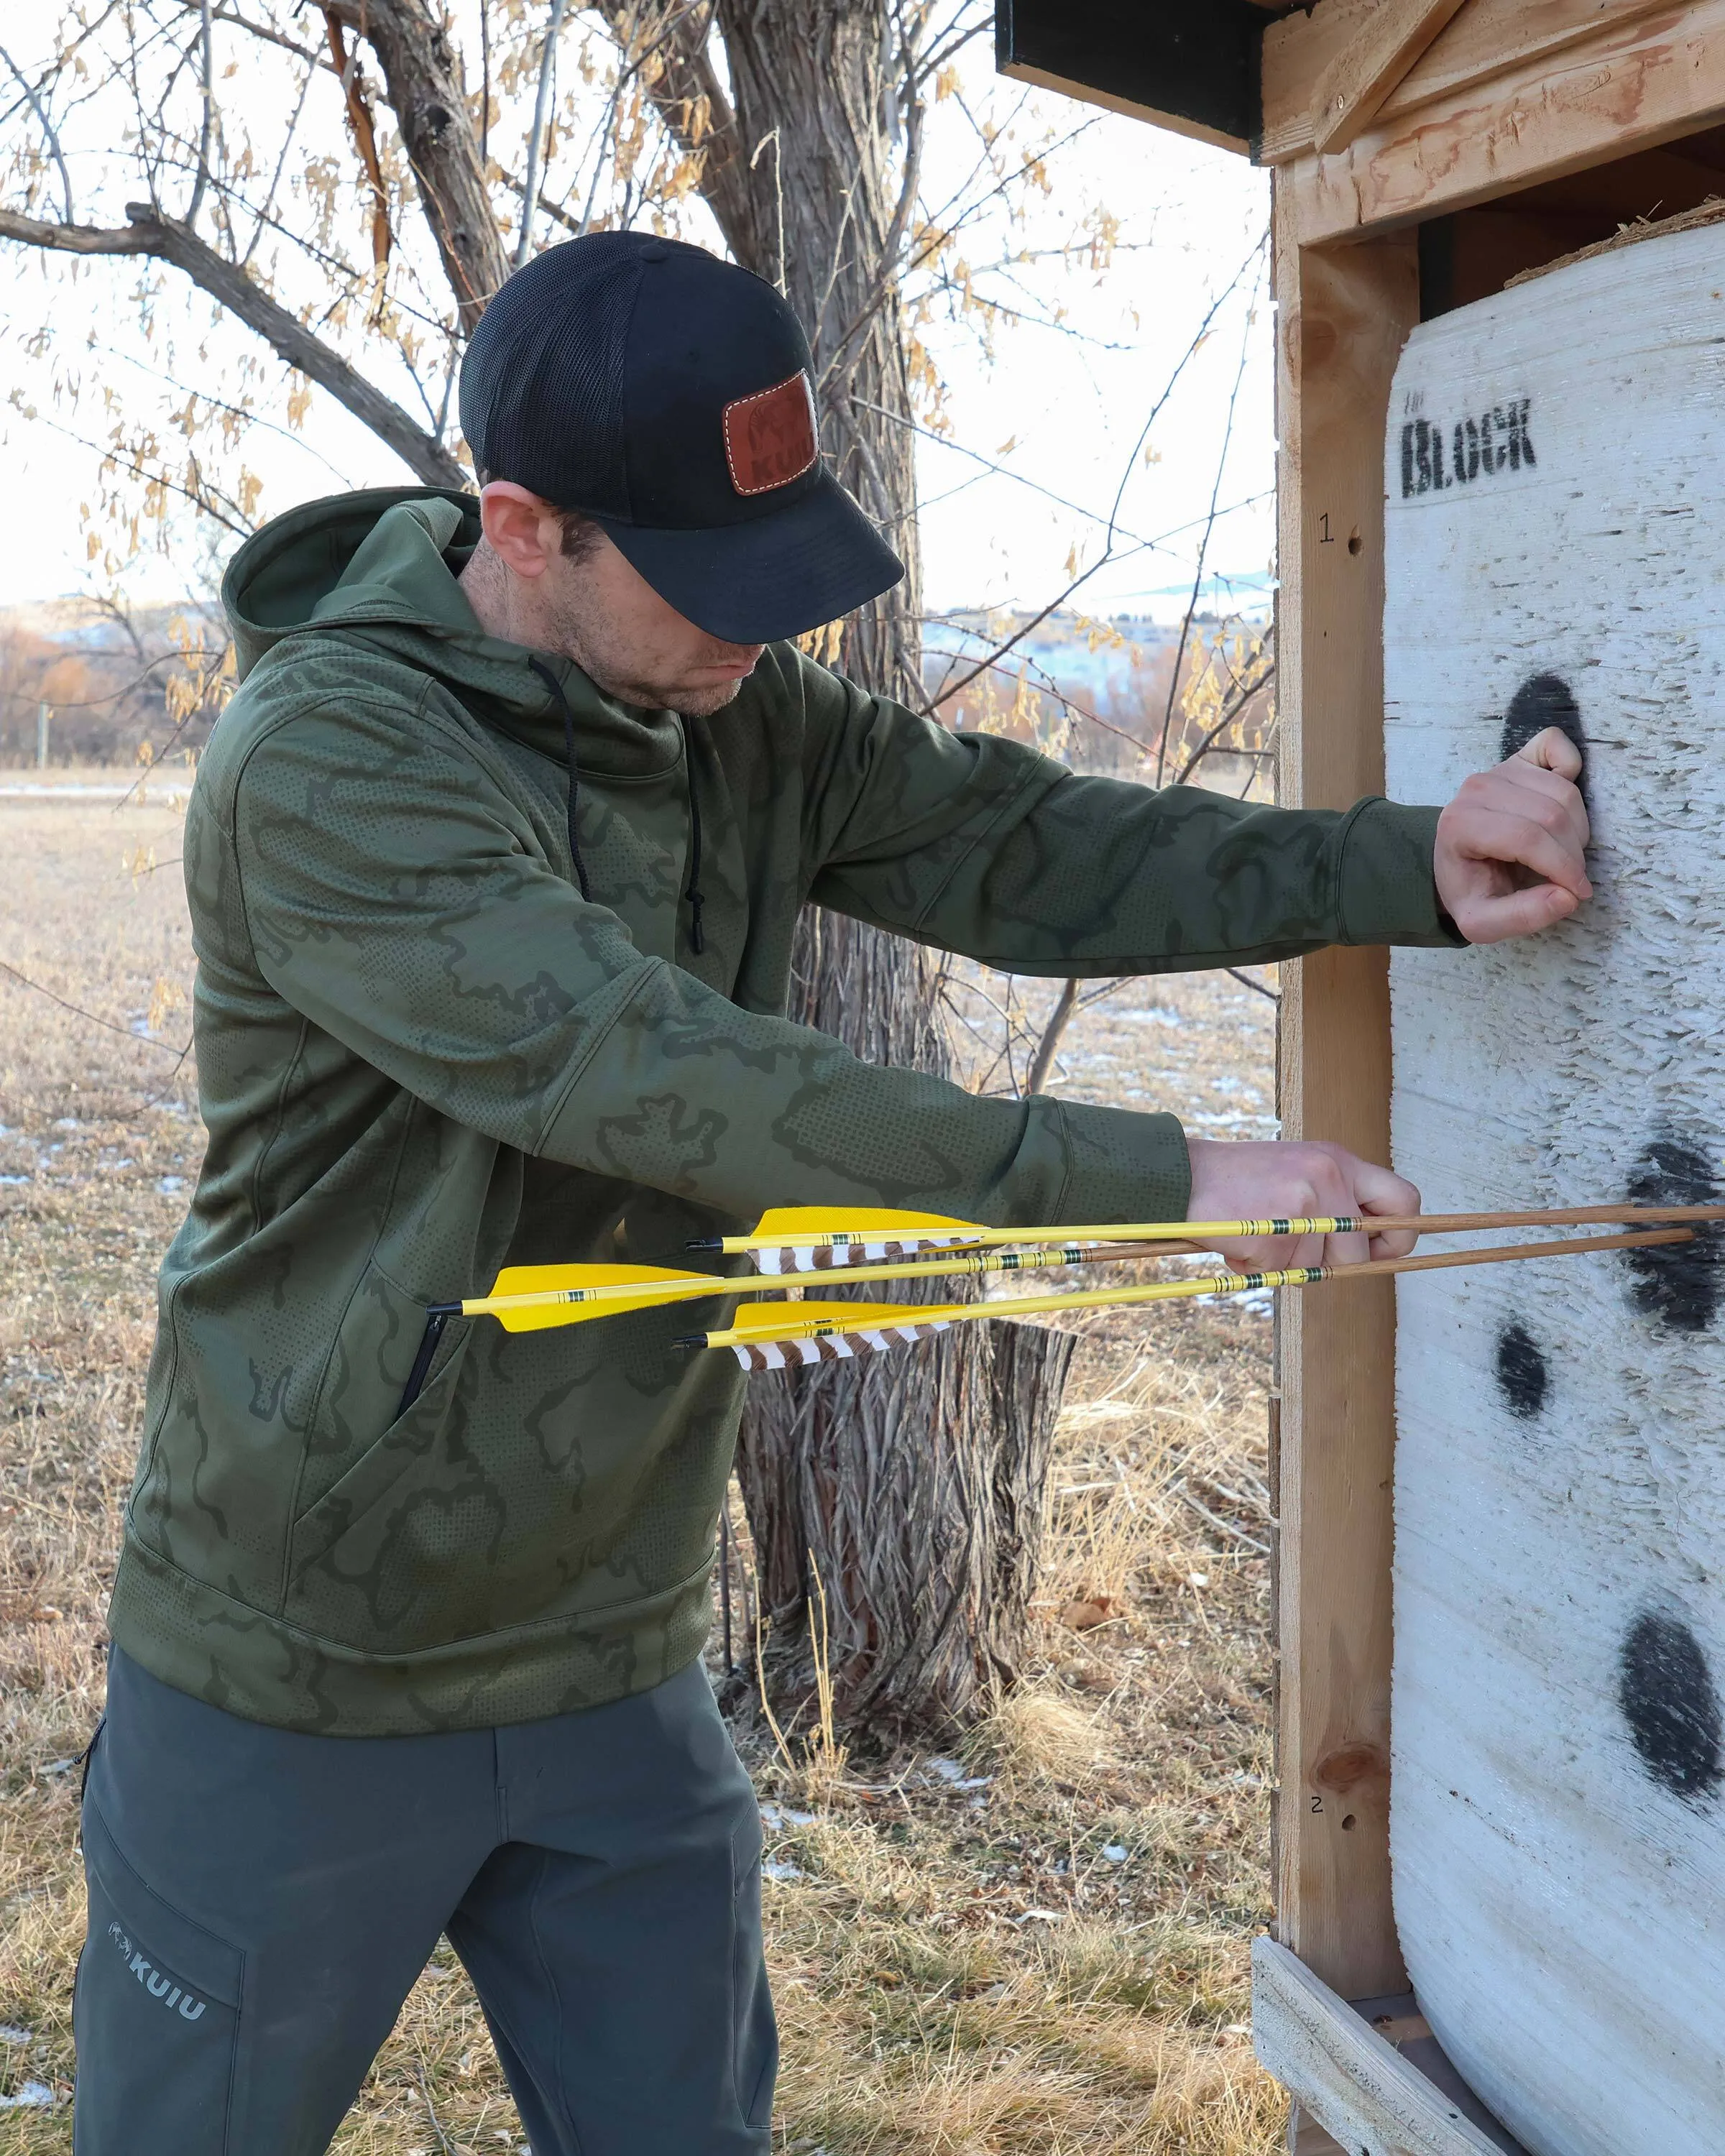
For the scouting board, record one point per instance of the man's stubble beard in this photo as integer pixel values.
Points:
(580, 636)
(702, 703)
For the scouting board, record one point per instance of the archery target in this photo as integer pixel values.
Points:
(1555, 471)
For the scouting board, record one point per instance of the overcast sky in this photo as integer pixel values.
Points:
(1063, 408)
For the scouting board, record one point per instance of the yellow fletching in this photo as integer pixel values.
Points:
(857, 1221)
(532, 1298)
(769, 1320)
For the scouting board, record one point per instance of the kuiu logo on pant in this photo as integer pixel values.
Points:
(154, 1982)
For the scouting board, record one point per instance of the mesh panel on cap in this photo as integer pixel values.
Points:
(541, 379)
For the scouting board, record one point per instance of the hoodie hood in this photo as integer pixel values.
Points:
(381, 565)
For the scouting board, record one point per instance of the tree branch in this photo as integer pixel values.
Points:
(206, 72)
(47, 127)
(1230, 711)
(535, 141)
(365, 141)
(423, 85)
(1037, 1076)
(228, 285)
(687, 82)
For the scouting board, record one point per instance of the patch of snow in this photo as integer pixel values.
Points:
(776, 1818)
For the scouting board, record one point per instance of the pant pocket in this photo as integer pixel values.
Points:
(754, 2029)
(156, 2016)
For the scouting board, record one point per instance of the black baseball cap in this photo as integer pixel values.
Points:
(669, 396)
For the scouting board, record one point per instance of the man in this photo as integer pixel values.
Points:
(494, 864)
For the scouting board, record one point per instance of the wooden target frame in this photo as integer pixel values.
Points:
(1424, 152)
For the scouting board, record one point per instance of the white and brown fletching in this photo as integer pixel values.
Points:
(830, 1347)
(834, 1257)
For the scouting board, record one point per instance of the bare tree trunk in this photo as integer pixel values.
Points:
(914, 1482)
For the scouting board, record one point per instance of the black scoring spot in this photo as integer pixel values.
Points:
(1523, 1375)
(1678, 1283)
(1666, 1691)
(1544, 701)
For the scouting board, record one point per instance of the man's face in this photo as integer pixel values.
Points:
(635, 645)
(597, 611)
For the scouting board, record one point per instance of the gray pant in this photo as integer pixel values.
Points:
(261, 1902)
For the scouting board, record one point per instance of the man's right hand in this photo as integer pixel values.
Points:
(1511, 852)
(1290, 1182)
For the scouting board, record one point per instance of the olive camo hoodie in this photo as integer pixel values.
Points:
(423, 1055)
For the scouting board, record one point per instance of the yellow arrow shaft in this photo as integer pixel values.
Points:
(1026, 1306)
(678, 1287)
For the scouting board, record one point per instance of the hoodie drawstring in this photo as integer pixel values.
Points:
(697, 939)
(556, 690)
(694, 894)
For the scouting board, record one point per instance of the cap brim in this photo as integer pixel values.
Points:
(771, 577)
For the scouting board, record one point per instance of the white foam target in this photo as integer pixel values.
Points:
(1555, 470)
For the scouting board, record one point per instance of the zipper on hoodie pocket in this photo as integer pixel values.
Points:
(362, 1393)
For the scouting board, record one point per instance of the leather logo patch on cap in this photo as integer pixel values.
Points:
(769, 438)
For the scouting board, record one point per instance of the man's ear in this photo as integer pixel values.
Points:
(520, 528)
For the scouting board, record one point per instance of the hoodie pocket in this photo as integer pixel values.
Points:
(369, 1374)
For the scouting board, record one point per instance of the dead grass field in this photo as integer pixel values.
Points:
(1038, 1942)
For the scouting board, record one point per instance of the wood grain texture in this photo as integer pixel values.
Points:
(1629, 86)
(1296, 52)
(1488, 37)
(1342, 316)
(1355, 2084)
(1352, 90)
(1558, 1824)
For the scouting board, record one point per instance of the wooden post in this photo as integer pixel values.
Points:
(1344, 313)
(42, 716)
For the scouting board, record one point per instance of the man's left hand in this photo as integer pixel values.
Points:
(1510, 846)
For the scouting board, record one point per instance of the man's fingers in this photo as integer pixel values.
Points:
(1555, 792)
(1381, 1190)
(1523, 822)
(1494, 919)
(1339, 1183)
(1378, 1189)
(1521, 842)
(1311, 1181)
(1552, 751)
